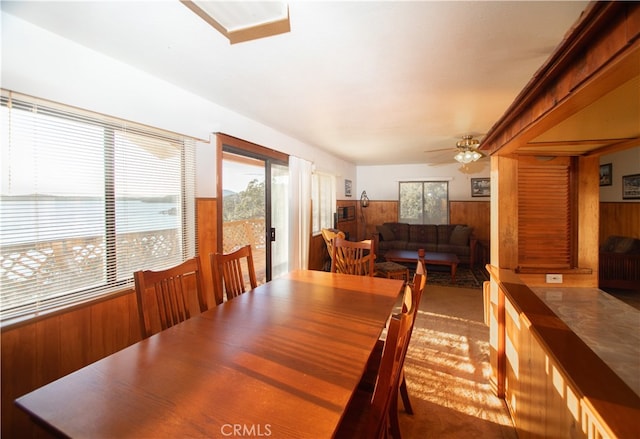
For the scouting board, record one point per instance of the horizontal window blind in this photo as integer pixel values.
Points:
(85, 201)
(544, 216)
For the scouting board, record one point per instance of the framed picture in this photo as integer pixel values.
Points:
(480, 187)
(347, 188)
(606, 175)
(631, 187)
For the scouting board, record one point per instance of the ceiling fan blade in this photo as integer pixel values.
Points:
(439, 150)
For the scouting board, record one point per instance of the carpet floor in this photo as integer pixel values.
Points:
(447, 370)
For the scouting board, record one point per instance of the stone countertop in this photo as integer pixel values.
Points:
(610, 327)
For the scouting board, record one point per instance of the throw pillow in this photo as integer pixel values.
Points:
(386, 233)
(460, 235)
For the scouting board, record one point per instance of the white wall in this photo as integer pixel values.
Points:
(42, 64)
(623, 163)
(381, 182)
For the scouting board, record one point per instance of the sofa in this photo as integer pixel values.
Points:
(619, 265)
(439, 238)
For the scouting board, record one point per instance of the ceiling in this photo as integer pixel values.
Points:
(371, 82)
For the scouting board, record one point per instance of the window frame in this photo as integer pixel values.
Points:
(447, 213)
(53, 301)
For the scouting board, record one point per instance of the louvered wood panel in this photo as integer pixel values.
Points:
(544, 217)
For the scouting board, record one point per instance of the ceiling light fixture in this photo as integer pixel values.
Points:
(243, 21)
(467, 150)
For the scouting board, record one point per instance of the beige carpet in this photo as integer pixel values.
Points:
(447, 370)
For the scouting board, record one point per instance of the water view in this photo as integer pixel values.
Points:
(26, 220)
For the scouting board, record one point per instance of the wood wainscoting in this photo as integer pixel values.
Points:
(621, 219)
(45, 349)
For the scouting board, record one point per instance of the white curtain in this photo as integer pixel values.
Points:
(300, 212)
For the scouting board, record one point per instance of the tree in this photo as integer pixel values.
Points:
(247, 204)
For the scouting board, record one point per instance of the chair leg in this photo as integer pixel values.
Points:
(394, 421)
(405, 395)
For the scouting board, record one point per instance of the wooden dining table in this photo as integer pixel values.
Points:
(281, 361)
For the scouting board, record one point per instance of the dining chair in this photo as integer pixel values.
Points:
(228, 274)
(368, 413)
(368, 380)
(329, 235)
(419, 282)
(353, 257)
(164, 297)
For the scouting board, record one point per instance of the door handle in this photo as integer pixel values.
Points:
(272, 234)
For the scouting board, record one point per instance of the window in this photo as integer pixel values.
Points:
(424, 202)
(85, 201)
(323, 200)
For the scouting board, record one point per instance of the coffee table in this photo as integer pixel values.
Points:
(430, 258)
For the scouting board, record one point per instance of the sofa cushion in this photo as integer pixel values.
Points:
(460, 235)
(392, 245)
(385, 232)
(423, 233)
(400, 230)
(444, 232)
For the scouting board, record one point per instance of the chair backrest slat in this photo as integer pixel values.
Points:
(352, 257)
(165, 294)
(391, 364)
(228, 276)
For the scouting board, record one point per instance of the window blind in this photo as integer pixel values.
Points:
(544, 215)
(85, 201)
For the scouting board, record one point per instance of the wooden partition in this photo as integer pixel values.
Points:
(553, 382)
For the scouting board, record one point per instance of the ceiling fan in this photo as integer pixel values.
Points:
(466, 150)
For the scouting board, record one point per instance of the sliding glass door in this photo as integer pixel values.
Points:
(255, 209)
(280, 218)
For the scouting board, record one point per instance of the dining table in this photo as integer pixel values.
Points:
(281, 360)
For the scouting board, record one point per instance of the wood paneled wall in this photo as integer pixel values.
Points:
(377, 213)
(476, 214)
(206, 209)
(46, 349)
(622, 219)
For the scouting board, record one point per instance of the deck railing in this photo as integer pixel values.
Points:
(56, 267)
(242, 232)
(48, 269)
